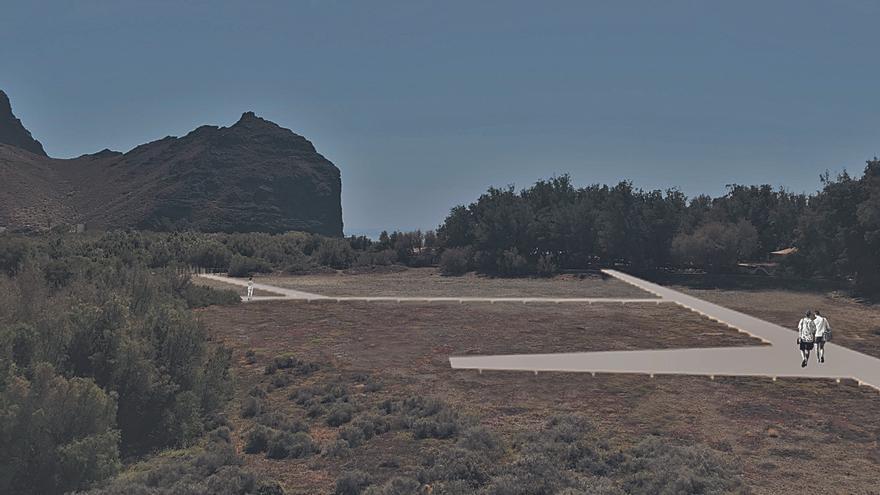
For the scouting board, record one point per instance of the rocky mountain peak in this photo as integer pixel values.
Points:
(13, 133)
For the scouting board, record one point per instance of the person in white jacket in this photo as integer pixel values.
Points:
(806, 336)
(250, 288)
(823, 334)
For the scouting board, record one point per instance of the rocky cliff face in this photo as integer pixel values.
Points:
(13, 133)
(251, 176)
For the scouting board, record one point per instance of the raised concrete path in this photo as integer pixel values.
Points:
(291, 294)
(282, 292)
(779, 359)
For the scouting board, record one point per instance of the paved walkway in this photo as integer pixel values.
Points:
(779, 359)
(282, 292)
(291, 294)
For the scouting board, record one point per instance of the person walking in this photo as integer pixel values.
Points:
(250, 288)
(823, 334)
(806, 336)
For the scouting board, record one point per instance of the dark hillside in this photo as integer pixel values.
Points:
(251, 176)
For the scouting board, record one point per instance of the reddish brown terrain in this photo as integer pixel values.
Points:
(377, 352)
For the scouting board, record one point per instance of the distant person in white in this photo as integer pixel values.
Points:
(806, 336)
(250, 290)
(823, 334)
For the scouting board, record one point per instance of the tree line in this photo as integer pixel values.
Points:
(554, 225)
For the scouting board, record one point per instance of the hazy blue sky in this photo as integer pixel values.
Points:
(423, 105)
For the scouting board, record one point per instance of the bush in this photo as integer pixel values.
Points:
(211, 255)
(426, 417)
(531, 474)
(252, 406)
(654, 466)
(291, 362)
(512, 264)
(351, 483)
(279, 421)
(396, 486)
(458, 465)
(243, 266)
(339, 415)
(337, 450)
(290, 445)
(200, 296)
(455, 261)
(353, 435)
(257, 439)
(209, 468)
(445, 424)
(480, 440)
(58, 434)
(250, 357)
(335, 253)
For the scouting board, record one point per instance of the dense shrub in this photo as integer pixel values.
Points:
(210, 468)
(456, 464)
(243, 266)
(351, 483)
(290, 445)
(335, 253)
(481, 440)
(57, 434)
(654, 466)
(210, 254)
(425, 417)
(252, 406)
(337, 450)
(397, 485)
(455, 261)
(340, 414)
(444, 424)
(257, 439)
(126, 331)
(199, 296)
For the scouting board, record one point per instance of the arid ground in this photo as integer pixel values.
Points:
(427, 282)
(809, 436)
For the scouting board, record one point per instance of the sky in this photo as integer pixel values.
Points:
(424, 105)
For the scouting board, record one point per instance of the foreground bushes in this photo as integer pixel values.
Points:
(54, 425)
(209, 468)
(101, 363)
(566, 457)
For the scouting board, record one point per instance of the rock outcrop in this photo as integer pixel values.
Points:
(13, 133)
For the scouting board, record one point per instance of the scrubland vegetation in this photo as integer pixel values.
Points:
(443, 451)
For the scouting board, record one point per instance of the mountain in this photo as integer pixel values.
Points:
(251, 176)
(12, 131)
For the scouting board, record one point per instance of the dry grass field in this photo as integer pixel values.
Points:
(791, 435)
(427, 282)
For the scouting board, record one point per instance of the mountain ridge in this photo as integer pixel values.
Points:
(13, 132)
(251, 176)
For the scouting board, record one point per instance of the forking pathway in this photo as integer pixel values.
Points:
(292, 294)
(778, 359)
